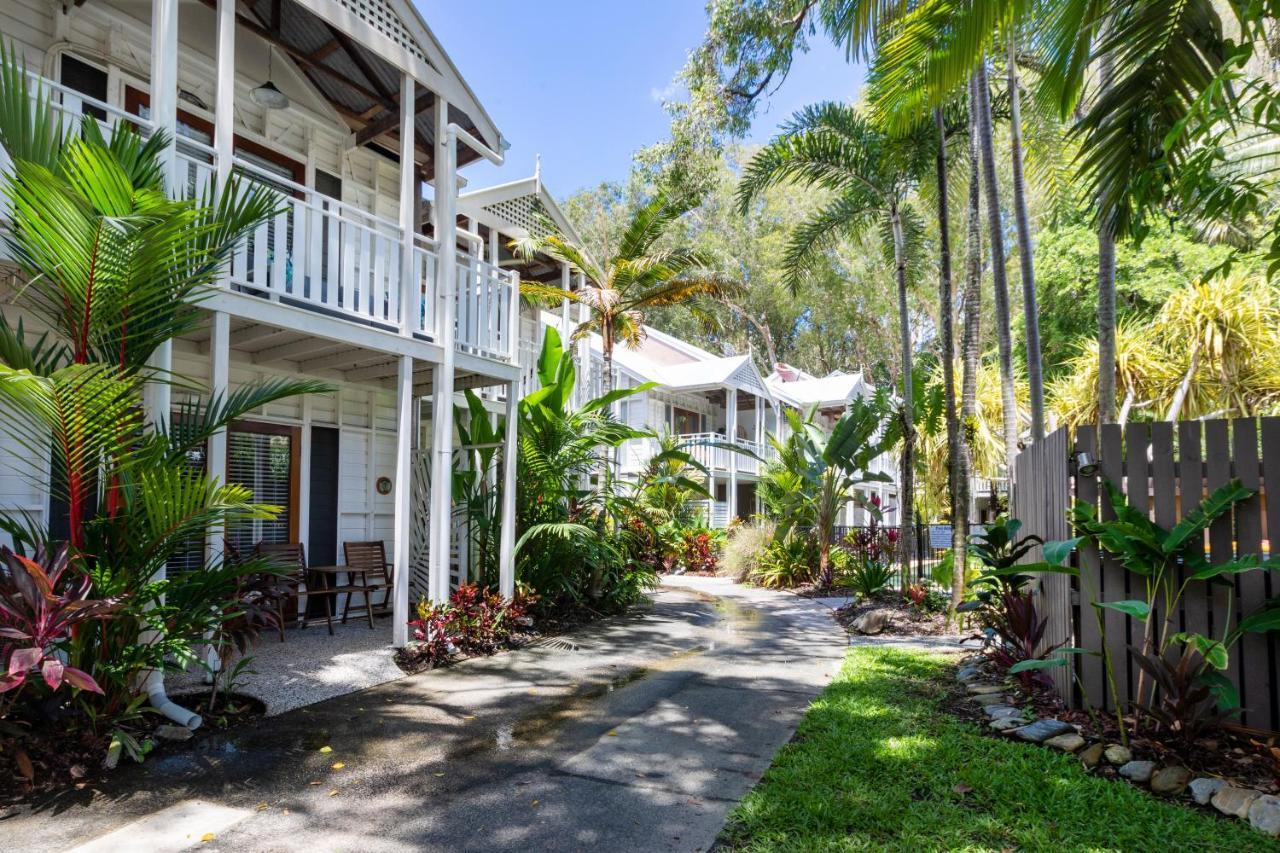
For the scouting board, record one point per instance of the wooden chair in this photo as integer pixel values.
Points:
(294, 556)
(370, 559)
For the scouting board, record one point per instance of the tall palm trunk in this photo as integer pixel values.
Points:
(606, 459)
(1026, 256)
(946, 331)
(1106, 294)
(906, 502)
(986, 147)
(972, 332)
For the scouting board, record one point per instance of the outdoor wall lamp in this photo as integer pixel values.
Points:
(1086, 465)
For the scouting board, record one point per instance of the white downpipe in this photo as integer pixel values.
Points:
(154, 687)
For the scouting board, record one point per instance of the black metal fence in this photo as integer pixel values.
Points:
(930, 545)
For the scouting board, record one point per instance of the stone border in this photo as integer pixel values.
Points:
(1262, 811)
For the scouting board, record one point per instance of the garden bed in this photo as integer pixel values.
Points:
(49, 758)
(906, 619)
(875, 765)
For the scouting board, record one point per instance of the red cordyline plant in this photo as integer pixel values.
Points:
(40, 607)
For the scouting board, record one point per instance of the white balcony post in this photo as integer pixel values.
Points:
(584, 347)
(219, 375)
(445, 207)
(731, 433)
(403, 521)
(164, 117)
(566, 286)
(225, 95)
(507, 534)
(409, 289)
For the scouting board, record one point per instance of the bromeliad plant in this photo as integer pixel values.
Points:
(116, 267)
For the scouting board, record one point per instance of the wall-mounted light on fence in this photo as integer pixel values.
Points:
(1086, 465)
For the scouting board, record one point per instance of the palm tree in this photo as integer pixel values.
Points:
(638, 276)
(114, 267)
(995, 234)
(1026, 256)
(971, 337)
(832, 147)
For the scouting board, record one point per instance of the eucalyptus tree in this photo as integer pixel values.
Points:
(871, 178)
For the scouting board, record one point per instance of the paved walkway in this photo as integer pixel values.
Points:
(638, 734)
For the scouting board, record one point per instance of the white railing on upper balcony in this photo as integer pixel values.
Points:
(323, 253)
(425, 263)
(717, 453)
(487, 321)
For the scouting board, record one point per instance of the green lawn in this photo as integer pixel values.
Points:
(876, 763)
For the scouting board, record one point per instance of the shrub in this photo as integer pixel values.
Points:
(745, 548)
(789, 561)
(475, 621)
(700, 550)
(868, 576)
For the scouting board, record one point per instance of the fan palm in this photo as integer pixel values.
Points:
(871, 177)
(639, 275)
(114, 267)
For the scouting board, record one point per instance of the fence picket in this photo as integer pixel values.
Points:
(1195, 611)
(1217, 473)
(1092, 674)
(1255, 674)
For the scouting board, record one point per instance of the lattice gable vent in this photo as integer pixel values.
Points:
(746, 377)
(382, 17)
(524, 212)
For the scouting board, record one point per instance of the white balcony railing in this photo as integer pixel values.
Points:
(486, 321)
(326, 255)
(716, 452)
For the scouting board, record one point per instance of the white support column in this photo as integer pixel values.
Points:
(164, 116)
(409, 287)
(584, 348)
(566, 286)
(494, 247)
(164, 78)
(304, 476)
(507, 534)
(225, 94)
(403, 521)
(219, 380)
(445, 208)
(731, 433)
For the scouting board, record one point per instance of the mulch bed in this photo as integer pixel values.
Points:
(51, 757)
(908, 620)
(1249, 759)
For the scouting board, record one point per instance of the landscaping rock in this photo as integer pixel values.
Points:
(1042, 730)
(967, 673)
(1117, 755)
(990, 699)
(1170, 781)
(1069, 742)
(178, 733)
(1234, 801)
(1203, 789)
(994, 711)
(983, 689)
(1007, 724)
(873, 621)
(1137, 771)
(1091, 756)
(1264, 815)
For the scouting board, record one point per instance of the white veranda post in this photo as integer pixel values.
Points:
(406, 410)
(507, 540)
(731, 434)
(446, 221)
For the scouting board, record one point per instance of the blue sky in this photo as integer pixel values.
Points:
(581, 82)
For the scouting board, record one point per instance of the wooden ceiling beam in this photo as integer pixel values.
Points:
(390, 120)
(306, 61)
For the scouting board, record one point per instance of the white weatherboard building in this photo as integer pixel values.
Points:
(381, 276)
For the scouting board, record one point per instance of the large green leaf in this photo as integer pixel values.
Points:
(1209, 510)
(1057, 552)
(1134, 608)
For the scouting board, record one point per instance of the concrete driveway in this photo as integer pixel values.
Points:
(636, 734)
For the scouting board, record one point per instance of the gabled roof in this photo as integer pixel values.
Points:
(354, 52)
(521, 208)
(829, 391)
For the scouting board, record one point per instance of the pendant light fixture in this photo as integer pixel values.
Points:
(267, 95)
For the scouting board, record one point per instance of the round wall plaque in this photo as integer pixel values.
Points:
(383, 485)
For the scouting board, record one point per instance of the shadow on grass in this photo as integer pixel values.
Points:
(878, 764)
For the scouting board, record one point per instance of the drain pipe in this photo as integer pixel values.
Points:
(153, 685)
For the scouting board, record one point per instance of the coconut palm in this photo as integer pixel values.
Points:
(639, 275)
(871, 177)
